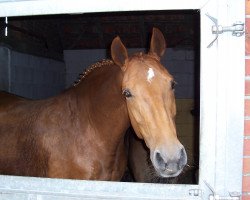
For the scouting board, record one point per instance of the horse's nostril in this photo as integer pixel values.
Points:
(183, 158)
(160, 161)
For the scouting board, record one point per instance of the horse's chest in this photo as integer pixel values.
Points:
(102, 166)
(89, 164)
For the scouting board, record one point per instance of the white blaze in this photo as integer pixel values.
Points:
(151, 74)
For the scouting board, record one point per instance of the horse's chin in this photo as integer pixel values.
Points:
(165, 174)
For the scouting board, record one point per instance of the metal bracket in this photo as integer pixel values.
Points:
(237, 29)
(214, 196)
(195, 192)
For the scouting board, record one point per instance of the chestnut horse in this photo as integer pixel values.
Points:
(80, 133)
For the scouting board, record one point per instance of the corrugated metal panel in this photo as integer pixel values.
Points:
(42, 7)
(22, 188)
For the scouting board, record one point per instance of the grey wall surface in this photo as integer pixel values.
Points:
(78, 60)
(31, 76)
(36, 77)
(4, 69)
(180, 64)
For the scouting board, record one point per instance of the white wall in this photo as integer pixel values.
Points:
(31, 76)
(180, 63)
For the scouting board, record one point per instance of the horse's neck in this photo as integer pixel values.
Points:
(99, 94)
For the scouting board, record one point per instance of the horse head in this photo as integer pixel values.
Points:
(149, 91)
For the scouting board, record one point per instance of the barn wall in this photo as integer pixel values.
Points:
(4, 69)
(187, 129)
(246, 156)
(179, 62)
(77, 60)
(31, 76)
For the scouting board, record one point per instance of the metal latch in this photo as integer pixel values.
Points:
(237, 29)
(214, 196)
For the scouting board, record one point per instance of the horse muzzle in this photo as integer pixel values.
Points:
(169, 165)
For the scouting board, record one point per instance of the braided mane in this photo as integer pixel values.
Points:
(104, 62)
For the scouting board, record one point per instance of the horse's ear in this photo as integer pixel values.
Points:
(119, 52)
(158, 43)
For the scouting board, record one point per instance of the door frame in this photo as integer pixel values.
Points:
(221, 107)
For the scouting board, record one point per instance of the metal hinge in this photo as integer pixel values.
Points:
(237, 29)
(214, 196)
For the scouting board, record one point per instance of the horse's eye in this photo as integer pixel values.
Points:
(173, 84)
(126, 93)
